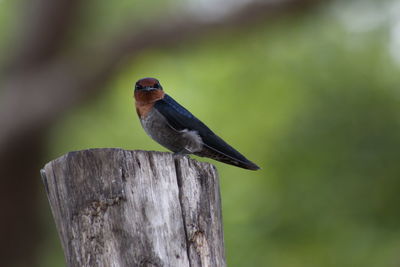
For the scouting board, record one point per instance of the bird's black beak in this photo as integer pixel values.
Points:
(149, 88)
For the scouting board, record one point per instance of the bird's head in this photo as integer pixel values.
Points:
(148, 84)
(148, 91)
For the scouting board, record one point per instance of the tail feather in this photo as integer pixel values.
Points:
(212, 153)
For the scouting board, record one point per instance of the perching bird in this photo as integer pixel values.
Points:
(175, 128)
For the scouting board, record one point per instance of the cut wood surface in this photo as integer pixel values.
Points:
(114, 207)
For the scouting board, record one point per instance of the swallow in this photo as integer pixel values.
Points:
(178, 130)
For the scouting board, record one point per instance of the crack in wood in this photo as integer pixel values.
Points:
(101, 206)
(179, 182)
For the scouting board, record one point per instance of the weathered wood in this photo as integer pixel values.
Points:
(120, 208)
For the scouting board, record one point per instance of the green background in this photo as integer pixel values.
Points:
(310, 98)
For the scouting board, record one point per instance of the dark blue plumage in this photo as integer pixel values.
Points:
(174, 127)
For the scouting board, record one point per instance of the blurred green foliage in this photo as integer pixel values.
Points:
(316, 106)
(8, 24)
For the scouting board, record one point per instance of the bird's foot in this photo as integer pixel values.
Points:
(181, 154)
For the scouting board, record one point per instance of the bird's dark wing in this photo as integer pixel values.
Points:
(181, 119)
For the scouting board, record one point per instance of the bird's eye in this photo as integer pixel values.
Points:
(156, 85)
(138, 86)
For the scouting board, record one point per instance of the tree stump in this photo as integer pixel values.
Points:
(114, 207)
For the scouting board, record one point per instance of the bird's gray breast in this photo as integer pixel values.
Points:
(184, 141)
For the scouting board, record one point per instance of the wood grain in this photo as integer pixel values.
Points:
(114, 207)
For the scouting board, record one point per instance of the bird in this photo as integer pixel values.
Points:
(175, 128)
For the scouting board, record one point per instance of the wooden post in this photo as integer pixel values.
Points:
(120, 208)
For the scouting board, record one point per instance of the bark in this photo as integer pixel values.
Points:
(114, 207)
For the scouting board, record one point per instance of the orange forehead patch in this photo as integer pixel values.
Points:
(147, 82)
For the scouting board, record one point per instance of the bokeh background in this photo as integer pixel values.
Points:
(307, 89)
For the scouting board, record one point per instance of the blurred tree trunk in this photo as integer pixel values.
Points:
(19, 226)
(40, 83)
